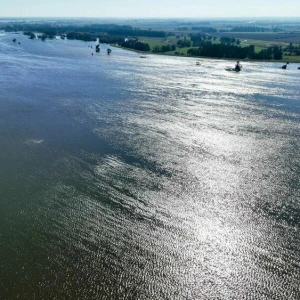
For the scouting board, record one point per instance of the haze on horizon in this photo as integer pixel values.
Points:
(149, 9)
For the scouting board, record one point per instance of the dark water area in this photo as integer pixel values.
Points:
(130, 178)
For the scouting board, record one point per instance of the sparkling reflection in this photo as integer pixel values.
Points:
(125, 178)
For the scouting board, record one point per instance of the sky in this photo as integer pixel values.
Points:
(150, 8)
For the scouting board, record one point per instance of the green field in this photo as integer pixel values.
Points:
(258, 44)
(285, 35)
(152, 42)
(294, 59)
(262, 44)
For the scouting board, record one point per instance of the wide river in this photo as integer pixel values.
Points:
(146, 178)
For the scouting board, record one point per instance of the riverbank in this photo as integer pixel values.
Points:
(289, 59)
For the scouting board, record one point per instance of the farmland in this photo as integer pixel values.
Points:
(262, 34)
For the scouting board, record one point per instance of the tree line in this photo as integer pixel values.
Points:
(136, 45)
(248, 29)
(164, 48)
(204, 29)
(198, 38)
(208, 49)
(50, 29)
(292, 49)
(91, 37)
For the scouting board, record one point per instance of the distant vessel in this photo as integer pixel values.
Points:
(98, 45)
(197, 63)
(232, 70)
(108, 51)
(142, 56)
(237, 68)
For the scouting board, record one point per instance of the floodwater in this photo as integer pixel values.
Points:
(154, 178)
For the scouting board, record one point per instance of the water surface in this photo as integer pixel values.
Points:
(130, 178)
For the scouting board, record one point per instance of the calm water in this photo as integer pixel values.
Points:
(130, 178)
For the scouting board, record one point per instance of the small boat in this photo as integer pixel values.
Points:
(232, 70)
(108, 51)
(237, 68)
(97, 46)
(197, 63)
(142, 56)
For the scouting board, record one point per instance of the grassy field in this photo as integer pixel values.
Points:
(285, 33)
(259, 44)
(262, 43)
(272, 37)
(294, 59)
(152, 42)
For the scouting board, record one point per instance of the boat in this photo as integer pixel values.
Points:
(197, 63)
(232, 70)
(237, 68)
(108, 51)
(142, 56)
(98, 45)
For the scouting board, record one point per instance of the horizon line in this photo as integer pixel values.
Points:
(152, 17)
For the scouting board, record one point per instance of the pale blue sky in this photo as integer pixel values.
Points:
(150, 8)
